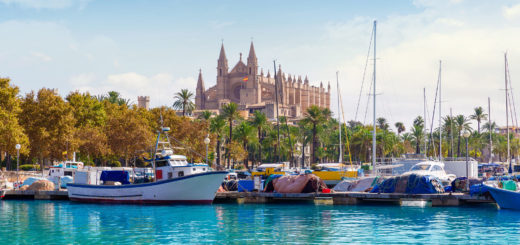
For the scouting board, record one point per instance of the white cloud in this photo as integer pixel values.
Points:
(512, 12)
(160, 87)
(47, 4)
(41, 56)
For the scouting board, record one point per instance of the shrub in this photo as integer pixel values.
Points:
(30, 167)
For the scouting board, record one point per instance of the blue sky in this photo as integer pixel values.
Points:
(156, 48)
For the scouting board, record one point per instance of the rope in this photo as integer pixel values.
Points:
(364, 73)
(346, 132)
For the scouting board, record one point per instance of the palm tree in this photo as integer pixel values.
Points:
(259, 121)
(315, 116)
(382, 124)
(183, 101)
(418, 133)
(479, 116)
(400, 128)
(205, 115)
(216, 126)
(113, 97)
(230, 113)
(449, 123)
(245, 133)
(462, 124)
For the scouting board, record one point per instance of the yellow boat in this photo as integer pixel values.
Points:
(266, 169)
(333, 173)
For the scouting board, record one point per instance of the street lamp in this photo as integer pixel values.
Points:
(466, 136)
(206, 141)
(17, 146)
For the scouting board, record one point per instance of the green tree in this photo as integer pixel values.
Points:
(259, 121)
(184, 101)
(418, 133)
(230, 113)
(11, 132)
(315, 116)
(113, 97)
(400, 128)
(217, 125)
(462, 124)
(478, 116)
(49, 123)
(205, 115)
(245, 133)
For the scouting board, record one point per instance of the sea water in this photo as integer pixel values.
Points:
(63, 222)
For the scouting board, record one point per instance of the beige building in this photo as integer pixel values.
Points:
(253, 90)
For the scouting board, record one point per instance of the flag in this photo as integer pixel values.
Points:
(245, 79)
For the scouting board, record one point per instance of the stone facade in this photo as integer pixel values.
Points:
(253, 90)
(143, 102)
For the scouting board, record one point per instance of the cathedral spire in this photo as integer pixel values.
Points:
(200, 82)
(252, 54)
(222, 55)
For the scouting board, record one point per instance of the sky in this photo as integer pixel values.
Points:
(156, 48)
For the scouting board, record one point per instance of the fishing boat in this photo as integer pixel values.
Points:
(505, 196)
(174, 180)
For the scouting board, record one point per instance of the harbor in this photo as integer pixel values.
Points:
(274, 122)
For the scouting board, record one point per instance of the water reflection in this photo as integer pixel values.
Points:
(65, 223)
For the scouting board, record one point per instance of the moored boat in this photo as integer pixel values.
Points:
(174, 180)
(506, 199)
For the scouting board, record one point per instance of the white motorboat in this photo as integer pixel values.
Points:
(173, 180)
(433, 168)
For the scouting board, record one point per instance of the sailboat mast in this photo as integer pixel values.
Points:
(425, 123)
(507, 114)
(489, 129)
(277, 114)
(374, 94)
(340, 160)
(440, 114)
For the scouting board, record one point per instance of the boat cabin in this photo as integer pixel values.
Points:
(175, 166)
(66, 168)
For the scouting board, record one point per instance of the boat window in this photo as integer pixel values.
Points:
(161, 163)
(437, 168)
(420, 167)
(170, 175)
(180, 174)
(194, 169)
(203, 169)
(68, 173)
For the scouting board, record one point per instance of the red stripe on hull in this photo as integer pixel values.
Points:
(160, 202)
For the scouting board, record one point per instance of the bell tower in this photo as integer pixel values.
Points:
(222, 72)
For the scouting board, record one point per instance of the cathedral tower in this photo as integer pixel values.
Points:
(199, 93)
(222, 71)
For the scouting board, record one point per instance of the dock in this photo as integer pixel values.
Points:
(352, 198)
(35, 195)
(337, 198)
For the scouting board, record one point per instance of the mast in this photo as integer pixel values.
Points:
(425, 123)
(340, 160)
(507, 115)
(489, 129)
(451, 130)
(374, 94)
(277, 115)
(440, 114)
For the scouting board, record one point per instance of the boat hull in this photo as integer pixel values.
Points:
(191, 189)
(505, 199)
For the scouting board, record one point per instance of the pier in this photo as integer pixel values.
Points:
(351, 198)
(338, 198)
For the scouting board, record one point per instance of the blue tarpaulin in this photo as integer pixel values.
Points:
(415, 184)
(119, 176)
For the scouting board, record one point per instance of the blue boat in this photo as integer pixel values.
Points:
(505, 199)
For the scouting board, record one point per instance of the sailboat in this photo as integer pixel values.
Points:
(505, 193)
(174, 180)
(333, 173)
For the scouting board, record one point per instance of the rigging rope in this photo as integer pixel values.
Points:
(364, 73)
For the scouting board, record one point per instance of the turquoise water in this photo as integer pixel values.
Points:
(62, 222)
